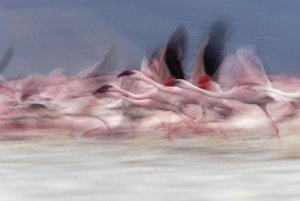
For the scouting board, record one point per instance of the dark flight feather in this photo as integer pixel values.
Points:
(214, 52)
(175, 52)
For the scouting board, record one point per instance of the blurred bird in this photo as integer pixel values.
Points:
(177, 96)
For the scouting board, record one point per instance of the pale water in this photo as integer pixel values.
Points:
(150, 168)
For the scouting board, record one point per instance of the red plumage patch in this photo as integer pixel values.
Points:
(204, 82)
(168, 81)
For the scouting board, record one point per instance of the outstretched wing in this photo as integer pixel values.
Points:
(243, 68)
(230, 72)
(156, 68)
(175, 52)
(101, 66)
(6, 58)
(145, 68)
(199, 66)
(215, 48)
(253, 66)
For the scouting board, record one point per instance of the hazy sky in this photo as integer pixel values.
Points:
(77, 33)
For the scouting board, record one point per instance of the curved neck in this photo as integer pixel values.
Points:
(147, 103)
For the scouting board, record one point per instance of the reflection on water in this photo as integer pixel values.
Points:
(198, 168)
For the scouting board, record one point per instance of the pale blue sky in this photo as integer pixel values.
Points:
(76, 33)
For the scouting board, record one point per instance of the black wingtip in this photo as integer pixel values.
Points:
(103, 89)
(214, 52)
(126, 73)
(176, 49)
(220, 28)
(178, 41)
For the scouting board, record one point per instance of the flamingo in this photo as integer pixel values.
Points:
(186, 97)
(209, 57)
(247, 93)
(168, 61)
(142, 102)
(149, 99)
(174, 55)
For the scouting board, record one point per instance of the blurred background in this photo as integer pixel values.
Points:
(75, 34)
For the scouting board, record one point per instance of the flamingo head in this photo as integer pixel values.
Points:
(126, 73)
(103, 89)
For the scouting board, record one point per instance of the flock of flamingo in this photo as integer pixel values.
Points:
(222, 90)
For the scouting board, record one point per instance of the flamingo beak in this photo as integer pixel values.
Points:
(102, 89)
(126, 73)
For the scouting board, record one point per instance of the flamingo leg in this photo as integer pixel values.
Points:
(132, 128)
(264, 109)
(99, 131)
(169, 132)
(204, 115)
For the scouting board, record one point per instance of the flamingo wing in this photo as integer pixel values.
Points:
(159, 66)
(156, 69)
(231, 72)
(215, 48)
(199, 67)
(243, 68)
(145, 68)
(6, 58)
(175, 52)
(253, 66)
(101, 66)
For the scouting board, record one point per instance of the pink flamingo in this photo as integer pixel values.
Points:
(183, 97)
(148, 99)
(168, 61)
(144, 101)
(248, 94)
(209, 57)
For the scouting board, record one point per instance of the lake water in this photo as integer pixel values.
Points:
(150, 168)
